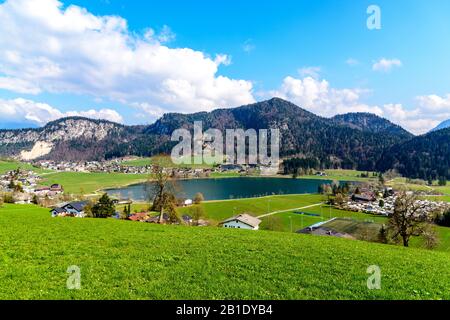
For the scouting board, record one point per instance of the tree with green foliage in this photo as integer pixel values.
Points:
(442, 181)
(320, 189)
(381, 179)
(126, 212)
(104, 208)
(383, 235)
(345, 188)
(197, 213)
(381, 203)
(443, 219)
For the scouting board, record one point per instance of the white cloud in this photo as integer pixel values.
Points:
(427, 113)
(317, 96)
(313, 72)
(18, 85)
(352, 62)
(416, 120)
(166, 35)
(28, 111)
(222, 59)
(71, 50)
(435, 103)
(386, 65)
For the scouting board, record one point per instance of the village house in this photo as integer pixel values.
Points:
(242, 221)
(363, 197)
(71, 209)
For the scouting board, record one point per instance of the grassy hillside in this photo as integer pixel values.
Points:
(126, 260)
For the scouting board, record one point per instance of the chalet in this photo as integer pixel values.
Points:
(71, 209)
(57, 188)
(242, 221)
(187, 219)
(140, 216)
(363, 198)
(231, 167)
(42, 191)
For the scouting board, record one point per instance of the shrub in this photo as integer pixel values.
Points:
(199, 198)
(8, 198)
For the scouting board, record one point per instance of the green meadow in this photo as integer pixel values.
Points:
(359, 225)
(88, 183)
(9, 165)
(165, 161)
(130, 260)
(220, 210)
(342, 175)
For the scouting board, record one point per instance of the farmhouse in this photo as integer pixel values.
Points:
(363, 197)
(57, 188)
(72, 209)
(242, 221)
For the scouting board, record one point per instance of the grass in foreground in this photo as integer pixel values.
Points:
(126, 260)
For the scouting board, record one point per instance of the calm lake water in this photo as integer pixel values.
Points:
(227, 188)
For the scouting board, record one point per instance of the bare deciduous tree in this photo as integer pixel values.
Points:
(410, 218)
(162, 190)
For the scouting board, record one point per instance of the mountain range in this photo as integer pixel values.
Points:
(443, 125)
(360, 141)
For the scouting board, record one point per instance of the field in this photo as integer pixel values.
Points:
(9, 165)
(359, 225)
(127, 260)
(166, 161)
(220, 210)
(87, 183)
(400, 183)
(343, 175)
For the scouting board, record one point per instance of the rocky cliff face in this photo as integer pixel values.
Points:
(63, 137)
(63, 130)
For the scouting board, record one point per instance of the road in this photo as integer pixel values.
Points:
(289, 210)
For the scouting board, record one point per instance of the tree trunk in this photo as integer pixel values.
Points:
(161, 215)
(405, 242)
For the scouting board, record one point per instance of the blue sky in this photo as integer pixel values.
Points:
(318, 54)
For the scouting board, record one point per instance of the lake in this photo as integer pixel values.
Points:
(227, 188)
